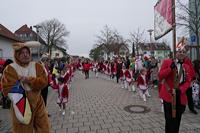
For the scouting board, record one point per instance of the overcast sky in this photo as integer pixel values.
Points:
(83, 18)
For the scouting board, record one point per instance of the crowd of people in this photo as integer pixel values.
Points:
(174, 77)
(127, 72)
(177, 80)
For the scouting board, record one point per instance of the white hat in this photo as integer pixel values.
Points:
(181, 45)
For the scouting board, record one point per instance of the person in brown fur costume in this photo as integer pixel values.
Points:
(33, 78)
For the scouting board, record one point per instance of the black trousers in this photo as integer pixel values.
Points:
(190, 99)
(44, 94)
(86, 74)
(172, 124)
(117, 76)
(5, 102)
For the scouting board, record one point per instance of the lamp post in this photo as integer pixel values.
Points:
(150, 33)
(37, 27)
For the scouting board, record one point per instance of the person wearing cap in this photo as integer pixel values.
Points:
(166, 75)
(33, 78)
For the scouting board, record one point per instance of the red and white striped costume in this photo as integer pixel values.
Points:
(62, 94)
(122, 74)
(108, 70)
(95, 68)
(104, 68)
(128, 76)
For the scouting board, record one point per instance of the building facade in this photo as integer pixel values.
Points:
(158, 50)
(194, 6)
(26, 33)
(6, 40)
(58, 52)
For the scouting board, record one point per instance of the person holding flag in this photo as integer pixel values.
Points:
(175, 76)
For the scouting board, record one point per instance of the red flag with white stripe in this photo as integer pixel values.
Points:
(162, 18)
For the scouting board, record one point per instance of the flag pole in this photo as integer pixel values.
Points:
(174, 56)
(174, 27)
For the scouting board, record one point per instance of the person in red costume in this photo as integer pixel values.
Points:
(143, 84)
(169, 66)
(63, 94)
(86, 68)
(127, 74)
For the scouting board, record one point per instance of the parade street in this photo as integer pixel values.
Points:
(97, 105)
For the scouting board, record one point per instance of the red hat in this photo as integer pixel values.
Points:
(146, 58)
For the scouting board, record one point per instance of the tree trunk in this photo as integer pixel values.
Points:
(137, 49)
(50, 51)
(133, 49)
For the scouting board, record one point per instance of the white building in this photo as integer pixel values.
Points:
(117, 50)
(158, 50)
(58, 52)
(6, 40)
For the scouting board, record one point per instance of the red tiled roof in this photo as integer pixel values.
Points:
(8, 34)
(24, 29)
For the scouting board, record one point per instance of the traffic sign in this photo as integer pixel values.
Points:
(193, 38)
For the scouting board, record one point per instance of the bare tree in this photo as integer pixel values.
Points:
(136, 37)
(105, 37)
(109, 38)
(96, 54)
(189, 17)
(53, 32)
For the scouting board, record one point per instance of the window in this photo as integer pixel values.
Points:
(1, 53)
(57, 54)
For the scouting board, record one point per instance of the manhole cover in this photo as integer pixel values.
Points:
(137, 109)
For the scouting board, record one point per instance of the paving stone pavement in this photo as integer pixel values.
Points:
(97, 106)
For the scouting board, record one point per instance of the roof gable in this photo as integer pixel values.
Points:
(8, 34)
(24, 29)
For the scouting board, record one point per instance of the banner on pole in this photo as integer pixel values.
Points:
(162, 18)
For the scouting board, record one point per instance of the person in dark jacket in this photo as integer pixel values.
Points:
(189, 90)
(127, 62)
(119, 67)
(5, 100)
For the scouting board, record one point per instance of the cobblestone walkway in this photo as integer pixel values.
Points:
(97, 106)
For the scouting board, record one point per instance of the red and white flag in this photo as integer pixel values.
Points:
(162, 18)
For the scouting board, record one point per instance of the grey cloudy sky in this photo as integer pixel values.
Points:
(83, 18)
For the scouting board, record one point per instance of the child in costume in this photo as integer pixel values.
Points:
(143, 84)
(122, 76)
(62, 98)
(108, 67)
(132, 80)
(96, 69)
(195, 92)
(128, 79)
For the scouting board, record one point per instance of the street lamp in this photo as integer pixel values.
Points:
(37, 27)
(150, 33)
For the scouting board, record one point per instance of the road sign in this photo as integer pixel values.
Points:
(193, 38)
